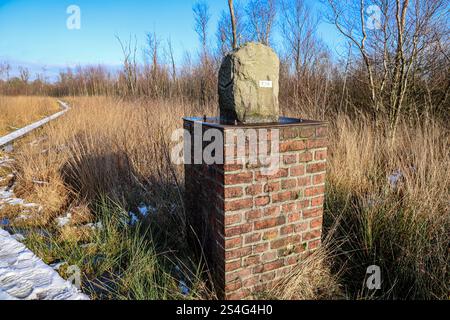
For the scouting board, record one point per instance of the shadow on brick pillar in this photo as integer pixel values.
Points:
(254, 227)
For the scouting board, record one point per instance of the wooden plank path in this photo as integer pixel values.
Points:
(5, 140)
(23, 276)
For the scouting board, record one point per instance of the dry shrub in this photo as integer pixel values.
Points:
(39, 181)
(10, 211)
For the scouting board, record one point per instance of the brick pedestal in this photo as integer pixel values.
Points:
(253, 228)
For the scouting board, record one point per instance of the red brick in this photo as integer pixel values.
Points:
(253, 237)
(268, 276)
(269, 223)
(279, 243)
(288, 184)
(306, 132)
(272, 187)
(262, 201)
(233, 192)
(302, 204)
(253, 214)
(233, 242)
(303, 226)
(233, 285)
(310, 213)
(289, 158)
(269, 235)
(232, 218)
(273, 265)
(297, 170)
(253, 189)
(294, 145)
(321, 132)
(280, 173)
(238, 295)
(237, 253)
(320, 155)
(260, 247)
(238, 178)
(269, 256)
(285, 230)
(305, 157)
(238, 230)
(319, 178)
(289, 133)
(311, 235)
(238, 204)
(283, 196)
(250, 282)
(314, 191)
(230, 266)
(316, 167)
(288, 207)
(315, 223)
(313, 244)
(271, 211)
(232, 167)
(301, 248)
(317, 143)
(304, 181)
(317, 201)
(237, 275)
(230, 150)
(295, 216)
(251, 260)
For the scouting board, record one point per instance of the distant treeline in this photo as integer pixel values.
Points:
(396, 63)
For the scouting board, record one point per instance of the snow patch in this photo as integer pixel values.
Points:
(95, 226)
(24, 276)
(19, 237)
(62, 221)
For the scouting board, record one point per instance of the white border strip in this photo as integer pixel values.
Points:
(23, 131)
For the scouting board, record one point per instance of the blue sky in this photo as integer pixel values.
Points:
(34, 33)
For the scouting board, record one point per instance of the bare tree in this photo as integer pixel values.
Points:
(390, 46)
(299, 26)
(305, 54)
(224, 33)
(24, 74)
(5, 68)
(152, 50)
(129, 50)
(202, 17)
(261, 19)
(172, 59)
(233, 23)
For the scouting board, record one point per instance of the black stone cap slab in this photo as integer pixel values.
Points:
(282, 122)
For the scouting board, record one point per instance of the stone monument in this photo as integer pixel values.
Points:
(248, 85)
(253, 226)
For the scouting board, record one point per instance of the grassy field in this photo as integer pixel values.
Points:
(386, 204)
(19, 111)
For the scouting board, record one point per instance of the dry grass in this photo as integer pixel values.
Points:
(310, 280)
(402, 226)
(108, 146)
(17, 112)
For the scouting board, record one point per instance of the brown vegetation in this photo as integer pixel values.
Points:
(17, 112)
(387, 181)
